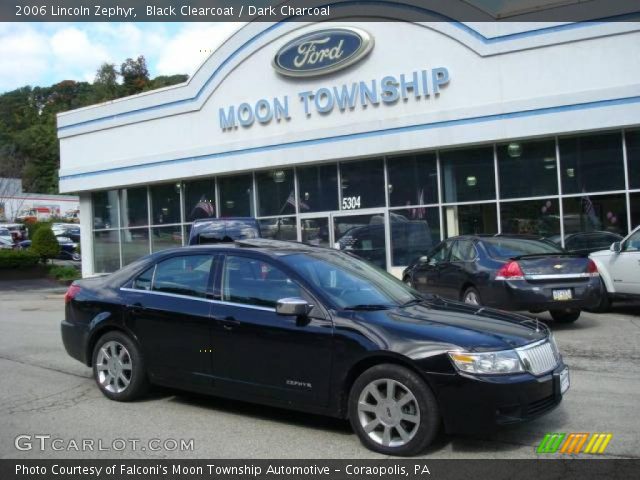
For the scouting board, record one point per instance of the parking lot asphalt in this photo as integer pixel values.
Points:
(44, 391)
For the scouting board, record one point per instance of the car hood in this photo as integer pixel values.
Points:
(437, 325)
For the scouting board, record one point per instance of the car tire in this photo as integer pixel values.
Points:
(125, 378)
(393, 411)
(565, 316)
(469, 295)
(605, 302)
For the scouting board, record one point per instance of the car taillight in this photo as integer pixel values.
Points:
(510, 271)
(592, 268)
(72, 291)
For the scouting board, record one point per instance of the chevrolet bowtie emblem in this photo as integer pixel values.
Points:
(557, 266)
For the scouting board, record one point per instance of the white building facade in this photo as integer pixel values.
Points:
(382, 138)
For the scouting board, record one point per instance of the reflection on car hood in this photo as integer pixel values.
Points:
(455, 324)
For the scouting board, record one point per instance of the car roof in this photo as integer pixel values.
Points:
(484, 236)
(264, 245)
(224, 219)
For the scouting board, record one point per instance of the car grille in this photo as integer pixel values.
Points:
(539, 358)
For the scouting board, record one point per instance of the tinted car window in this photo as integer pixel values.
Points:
(185, 275)
(602, 240)
(143, 282)
(513, 247)
(349, 281)
(254, 282)
(463, 251)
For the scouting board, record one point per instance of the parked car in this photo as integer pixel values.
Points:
(619, 269)
(510, 272)
(5, 234)
(223, 230)
(18, 231)
(312, 329)
(68, 248)
(69, 230)
(6, 244)
(584, 243)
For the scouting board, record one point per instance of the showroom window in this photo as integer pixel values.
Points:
(106, 251)
(414, 232)
(588, 213)
(165, 203)
(362, 235)
(362, 184)
(279, 228)
(534, 217)
(105, 209)
(632, 138)
(592, 163)
(468, 175)
(470, 219)
(134, 210)
(413, 180)
(527, 169)
(236, 196)
(135, 244)
(276, 192)
(199, 199)
(166, 237)
(318, 188)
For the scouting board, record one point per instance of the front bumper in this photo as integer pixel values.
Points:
(534, 296)
(473, 404)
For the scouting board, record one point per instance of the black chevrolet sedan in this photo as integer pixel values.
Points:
(316, 330)
(510, 272)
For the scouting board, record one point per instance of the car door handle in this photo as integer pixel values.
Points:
(228, 323)
(136, 308)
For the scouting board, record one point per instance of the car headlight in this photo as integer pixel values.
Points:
(487, 363)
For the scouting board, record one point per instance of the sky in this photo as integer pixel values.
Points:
(41, 54)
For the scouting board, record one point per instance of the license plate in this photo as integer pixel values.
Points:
(562, 295)
(565, 381)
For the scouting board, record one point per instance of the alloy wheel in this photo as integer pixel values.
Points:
(388, 412)
(471, 298)
(114, 367)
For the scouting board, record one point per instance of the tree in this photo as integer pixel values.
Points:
(135, 75)
(45, 244)
(106, 82)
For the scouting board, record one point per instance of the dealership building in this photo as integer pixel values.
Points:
(379, 137)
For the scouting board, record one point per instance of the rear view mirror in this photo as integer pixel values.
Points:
(295, 307)
(615, 247)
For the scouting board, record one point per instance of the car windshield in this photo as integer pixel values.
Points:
(500, 247)
(351, 282)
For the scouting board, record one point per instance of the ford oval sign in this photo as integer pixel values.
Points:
(322, 52)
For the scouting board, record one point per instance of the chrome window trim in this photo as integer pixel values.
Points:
(208, 300)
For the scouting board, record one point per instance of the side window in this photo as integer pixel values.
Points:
(463, 251)
(440, 253)
(143, 282)
(185, 275)
(633, 243)
(254, 282)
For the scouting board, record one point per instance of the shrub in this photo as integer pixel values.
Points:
(45, 244)
(60, 272)
(32, 228)
(18, 259)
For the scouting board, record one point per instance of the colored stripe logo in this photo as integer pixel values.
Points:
(573, 443)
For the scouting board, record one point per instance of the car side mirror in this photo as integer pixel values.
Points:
(293, 307)
(423, 259)
(616, 247)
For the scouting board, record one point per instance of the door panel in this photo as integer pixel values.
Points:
(264, 354)
(625, 266)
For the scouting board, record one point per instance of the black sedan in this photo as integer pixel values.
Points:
(509, 272)
(312, 329)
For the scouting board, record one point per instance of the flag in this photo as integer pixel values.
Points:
(420, 212)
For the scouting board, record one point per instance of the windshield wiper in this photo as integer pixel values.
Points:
(413, 301)
(372, 306)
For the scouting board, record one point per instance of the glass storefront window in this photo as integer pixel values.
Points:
(414, 231)
(276, 194)
(413, 180)
(590, 213)
(199, 199)
(634, 200)
(105, 209)
(592, 163)
(318, 188)
(106, 251)
(534, 217)
(134, 207)
(135, 244)
(165, 203)
(632, 139)
(363, 235)
(280, 228)
(470, 219)
(166, 237)
(236, 196)
(362, 184)
(315, 231)
(527, 169)
(468, 175)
